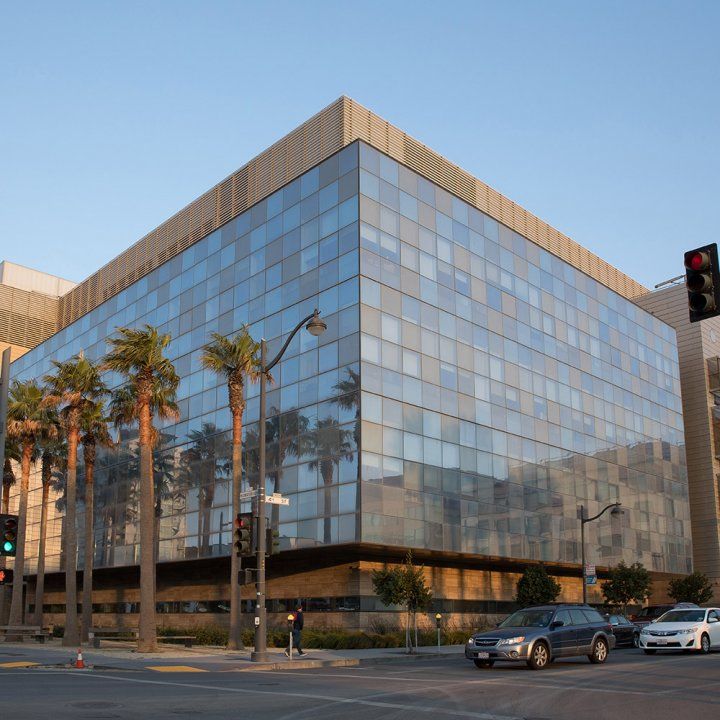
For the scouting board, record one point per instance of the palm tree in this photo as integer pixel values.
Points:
(150, 391)
(12, 454)
(28, 418)
(94, 429)
(53, 458)
(331, 443)
(75, 383)
(236, 360)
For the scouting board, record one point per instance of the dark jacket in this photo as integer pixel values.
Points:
(298, 622)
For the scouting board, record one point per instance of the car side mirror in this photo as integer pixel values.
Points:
(556, 624)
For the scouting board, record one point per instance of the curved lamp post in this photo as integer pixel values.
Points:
(616, 510)
(315, 326)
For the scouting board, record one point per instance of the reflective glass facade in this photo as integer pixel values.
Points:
(269, 267)
(470, 392)
(502, 388)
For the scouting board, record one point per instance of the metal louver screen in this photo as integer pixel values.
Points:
(341, 123)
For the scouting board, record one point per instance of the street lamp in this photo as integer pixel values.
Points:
(616, 510)
(315, 326)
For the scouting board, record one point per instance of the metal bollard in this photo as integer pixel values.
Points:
(438, 619)
(291, 620)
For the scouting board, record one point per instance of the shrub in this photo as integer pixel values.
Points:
(625, 584)
(536, 587)
(695, 588)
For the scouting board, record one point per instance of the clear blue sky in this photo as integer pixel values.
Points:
(601, 118)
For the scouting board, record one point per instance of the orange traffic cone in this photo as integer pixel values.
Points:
(79, 664)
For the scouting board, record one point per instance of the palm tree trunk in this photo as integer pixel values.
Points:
(7, 481)
(235, 635)
(40, 581)
(71, 637)
(16, 604)
(89, 546)
(147, 640)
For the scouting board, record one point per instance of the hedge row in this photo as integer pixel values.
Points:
(320, 638)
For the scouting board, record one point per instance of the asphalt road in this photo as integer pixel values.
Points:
(629, 685)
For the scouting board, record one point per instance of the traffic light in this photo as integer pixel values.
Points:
(6, 576)
(246, 577)
(8, 535)
(272, 541)
(243, 534)
(702, 281)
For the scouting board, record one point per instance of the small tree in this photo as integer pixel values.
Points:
(536, 587)
(417, 594)
(404, 585)
(695, 588)
(627, 583)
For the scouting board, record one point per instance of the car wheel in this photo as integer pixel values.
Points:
(649, 652)
(539, 657)
(636, 640)
(485, 664)
(599, 652)
(704, 644)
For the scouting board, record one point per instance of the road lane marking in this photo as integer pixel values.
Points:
(174, 668)
(312, 696)
(18, 664)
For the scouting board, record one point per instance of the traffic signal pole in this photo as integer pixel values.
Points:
(260, 653)
(4, 390)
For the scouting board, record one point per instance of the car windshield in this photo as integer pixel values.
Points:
(528, 618)
(681, 616)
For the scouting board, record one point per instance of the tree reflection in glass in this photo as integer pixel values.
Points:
(207, 458)
(332, 443)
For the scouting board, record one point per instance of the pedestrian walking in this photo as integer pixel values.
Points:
(297, 627)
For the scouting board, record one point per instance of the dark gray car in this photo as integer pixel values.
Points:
(539, 634)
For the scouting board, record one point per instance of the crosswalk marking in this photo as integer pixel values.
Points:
(173, 668)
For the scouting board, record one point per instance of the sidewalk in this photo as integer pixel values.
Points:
(206, 659)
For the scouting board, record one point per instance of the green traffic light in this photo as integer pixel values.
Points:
(8, 546)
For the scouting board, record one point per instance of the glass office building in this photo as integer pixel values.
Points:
(472, 390)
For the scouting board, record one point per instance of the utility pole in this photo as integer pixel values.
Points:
(4, 390)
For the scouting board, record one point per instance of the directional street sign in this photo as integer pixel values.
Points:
(591, 579)
(277, 499)
(248, 495)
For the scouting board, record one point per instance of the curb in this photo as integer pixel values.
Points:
(411, 658)
(301, 665)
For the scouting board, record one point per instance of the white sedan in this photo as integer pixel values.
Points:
(683, 629)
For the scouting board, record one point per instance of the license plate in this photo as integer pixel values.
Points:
(482, 655)
(661, 641)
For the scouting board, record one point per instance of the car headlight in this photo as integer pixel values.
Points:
(644, 631)
(471, 641)
(687, 631)
(512, 641)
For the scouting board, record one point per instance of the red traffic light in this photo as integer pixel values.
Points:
(697, 260)
(702, 281)
(6, 576)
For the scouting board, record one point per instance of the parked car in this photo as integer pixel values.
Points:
(538, 635)
(649, 614)
(626, 633)
(689, 628)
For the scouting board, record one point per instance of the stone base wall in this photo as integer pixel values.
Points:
(206, 582)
